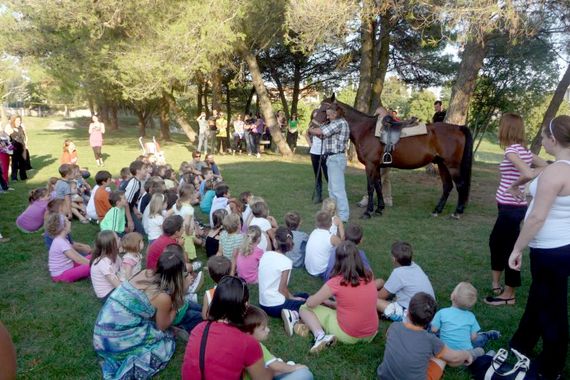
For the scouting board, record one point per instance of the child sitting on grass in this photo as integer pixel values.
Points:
(153, 217)
(208, 197)
(337, 228)
(266, 223)
(65, 263)
(246, 260)
(457, 326)
(32, 219)
(411, 352)
(55, 206)
(212, 242)
(255, 323)
(231, 238)
(220, 201)
(354, 318)
(115, 219)
(62, 190)
(354, 234)
(297, 253)
(320, 245)
(105, 264)
(218, 267)
(132, 245)
(406, 279)
(183, 207)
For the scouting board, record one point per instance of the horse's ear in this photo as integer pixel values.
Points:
(333, 97)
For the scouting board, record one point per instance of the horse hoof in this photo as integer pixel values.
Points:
(455, 216)
(434, 214)
(378, 212)
(366, 215)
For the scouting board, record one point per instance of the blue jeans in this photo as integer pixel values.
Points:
(300, 374)
(336, 166)
(275, 311)
(192, 317)
(247, 138)
(203, 141)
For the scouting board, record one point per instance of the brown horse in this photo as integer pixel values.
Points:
(447, 145)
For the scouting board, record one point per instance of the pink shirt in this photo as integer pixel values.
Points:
(101, 268)
(32, 219)
(96, 136)
(509, 174)
(58, 262)
(248, 266)
(355, 307)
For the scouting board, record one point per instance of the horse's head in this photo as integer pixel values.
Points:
(319, 116)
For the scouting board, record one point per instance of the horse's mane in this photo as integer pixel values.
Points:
(350, 108)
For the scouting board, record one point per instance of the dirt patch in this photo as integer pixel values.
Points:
(61, 125)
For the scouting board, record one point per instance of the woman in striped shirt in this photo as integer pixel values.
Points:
(517, 163)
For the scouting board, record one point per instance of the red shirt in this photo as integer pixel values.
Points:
(228, 352)
(155, 250)
(102, 204)
(355, 307)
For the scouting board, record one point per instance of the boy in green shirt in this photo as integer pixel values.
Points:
(115, 219)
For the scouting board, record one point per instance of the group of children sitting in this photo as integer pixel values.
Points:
(241, 238)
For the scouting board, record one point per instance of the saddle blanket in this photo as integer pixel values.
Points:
(417, 130)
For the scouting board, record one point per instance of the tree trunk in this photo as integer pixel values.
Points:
(164, 116)
(142, 121)
(206, 108)
(471, 63)
(297, 62)
(362, 101)
(248, 101)
(91, 105)
(200, 92)
(229, 116)
(114, 111)
(552, 110)
(216, 90)
(381, 65)
(281, 91)
(179, 117)
(265, 103)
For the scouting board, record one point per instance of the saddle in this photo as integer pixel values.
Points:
(390, 130)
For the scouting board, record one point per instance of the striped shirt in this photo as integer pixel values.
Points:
(133, 192)
(336, 135)
(509, 174)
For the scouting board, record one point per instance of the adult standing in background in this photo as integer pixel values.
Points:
(335, 137)
(202, 132)
(96, 132)
(212, 130)
(20, 155)
(222, 135)
(319, 162)
(545, 231)
(440, 113)
(516, 165)
(5, 152)
(238, 134)
(292, 132)
(249, 125)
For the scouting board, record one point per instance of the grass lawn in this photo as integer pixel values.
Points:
(52, 324)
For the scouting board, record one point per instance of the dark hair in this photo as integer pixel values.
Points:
(196, 153)
(402, 253)
(349, 265)
(218, 217)
(254, 317)
(259, 209)
(437, 102)
(102, 176)
(422, 308)
(229, 301)
(323, 220)
(54, 206)
(105, 245)
(243, 197)
(172, 224)
(135, 166)
(559, 127)
(185, 194)
(221, 189)
(36, 194)
(171, 198)
(124, 172)
(115, 196)
(292, 220)
(338, 109)
(218, 267)
(353, 233)
(170, 272)
(283, 239)
(65, 169)
(205, 170)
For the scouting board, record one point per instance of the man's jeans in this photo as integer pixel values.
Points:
(203, 141)
(336, 166)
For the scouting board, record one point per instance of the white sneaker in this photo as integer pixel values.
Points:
(258, 155)
(196, 266)
(196, 283)
(290, 319)
(322, 343)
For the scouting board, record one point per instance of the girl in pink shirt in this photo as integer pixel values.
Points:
(247, 259)
(65, 263)
(105, 264)
(32, 219)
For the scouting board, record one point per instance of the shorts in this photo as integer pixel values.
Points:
(327, 318)
(434, 371)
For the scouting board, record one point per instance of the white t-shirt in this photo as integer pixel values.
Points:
(99, 270)
(91, 212)
(271, 265)
(406, 281)
(152, 226)
(318, 251)
(217, 204)
(316, 144)
(264, 226)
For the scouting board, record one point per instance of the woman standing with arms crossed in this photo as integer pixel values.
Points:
(21, 156)
(516, 165)
(547, 232)
(96, 132)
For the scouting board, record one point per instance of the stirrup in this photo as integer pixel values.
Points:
(387, 158)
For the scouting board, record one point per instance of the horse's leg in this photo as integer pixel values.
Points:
(462, 193)
(378, 188)
(385, 174)
(370, 192)
(447, 184)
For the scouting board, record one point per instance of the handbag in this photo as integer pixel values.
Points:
(497, 368)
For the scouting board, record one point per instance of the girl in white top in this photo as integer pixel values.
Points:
(320, 245)
(266, 223)
(132, 244)
(153, 216)
(547, 231)
(105, 264)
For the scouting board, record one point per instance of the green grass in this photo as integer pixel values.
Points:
(52, 324)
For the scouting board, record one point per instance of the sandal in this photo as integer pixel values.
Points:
(495, 301)
(498, 290)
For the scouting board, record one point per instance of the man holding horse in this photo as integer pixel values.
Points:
(335, 135)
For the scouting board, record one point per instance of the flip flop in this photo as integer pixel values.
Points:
(497, 291)
(495, 301)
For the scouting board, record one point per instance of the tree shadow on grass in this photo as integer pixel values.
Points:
(39, 162)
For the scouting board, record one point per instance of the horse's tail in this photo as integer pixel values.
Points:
(467, 162)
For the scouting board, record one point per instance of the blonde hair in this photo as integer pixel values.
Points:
(51, 183)
(185, 195)
(156, 205)
(131, 242)
(231, 223)
(511, 130)
(252, 238)
(329, 205)
(54, 224)
(464, 296)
